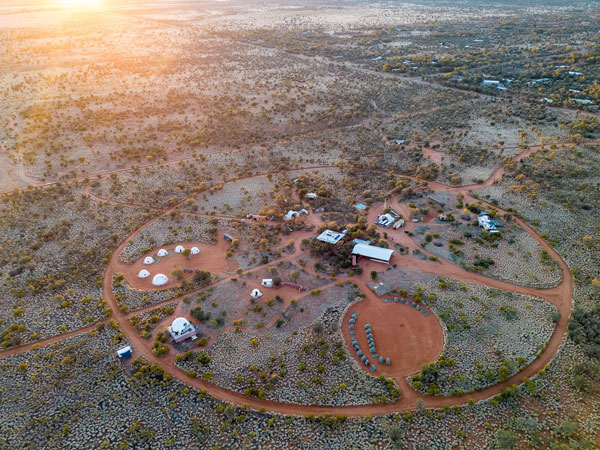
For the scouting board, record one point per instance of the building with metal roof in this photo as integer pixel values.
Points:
(378, 254)
(331, 237)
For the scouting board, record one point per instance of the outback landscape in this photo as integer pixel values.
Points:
(292, 224)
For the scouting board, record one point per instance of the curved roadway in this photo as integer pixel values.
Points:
(560, 296)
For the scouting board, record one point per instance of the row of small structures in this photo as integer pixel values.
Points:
(163, 252)
(406, 302)
(371, 342)
(359, 352)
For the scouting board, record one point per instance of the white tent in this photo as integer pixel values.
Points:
(159, 279)
(195, 250)
(256, 293)
(148, 260)
(179, 249)
(180, 325)
(182, 329)
(267, 282)
(162, 252)
(143, 274)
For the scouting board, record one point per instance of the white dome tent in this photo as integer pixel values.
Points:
(179, 249)
(162, 252)
(180, 325)
(148, 260)
(143, 274)
(256, 294)
(181, 329)
(159, 279)
(195, 250)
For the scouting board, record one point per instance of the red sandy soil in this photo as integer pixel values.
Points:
(424, 332)
(400, 332)
(434, 155)
(211, 259)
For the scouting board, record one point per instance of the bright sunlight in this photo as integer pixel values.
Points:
(79, 4)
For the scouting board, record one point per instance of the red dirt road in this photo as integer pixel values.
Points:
(425, 332)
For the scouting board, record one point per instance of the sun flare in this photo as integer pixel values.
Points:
(79, 4)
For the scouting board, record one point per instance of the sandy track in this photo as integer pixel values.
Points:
(560, 296)
(17, 350)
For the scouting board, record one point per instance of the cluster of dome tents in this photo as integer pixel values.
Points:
(160, 279)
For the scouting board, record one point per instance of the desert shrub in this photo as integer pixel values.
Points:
(584, 330)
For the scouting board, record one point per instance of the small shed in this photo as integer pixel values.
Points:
(293, 214)
(148, 260)
(195, 250)
(228, 237)
(179, 249)
(256, 294)
(143, 273)
(267, 282)
(331, 237)
(399, 224)
(311, 196)
(124, 353)
(162, 252)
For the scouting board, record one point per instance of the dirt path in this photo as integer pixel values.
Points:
(20, 168)
(17, 350)
(560, 296)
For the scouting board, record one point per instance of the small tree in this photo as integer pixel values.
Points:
(187, 252)
(177, 273)
(294, 275)
(505, 439)
(396, 436)
(373, 274)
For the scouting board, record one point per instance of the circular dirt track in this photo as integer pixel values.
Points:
(400, 332)
(386, 319)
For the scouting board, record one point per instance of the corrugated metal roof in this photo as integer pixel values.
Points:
(370, 251)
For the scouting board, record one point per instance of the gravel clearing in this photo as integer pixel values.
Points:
(134, 299)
